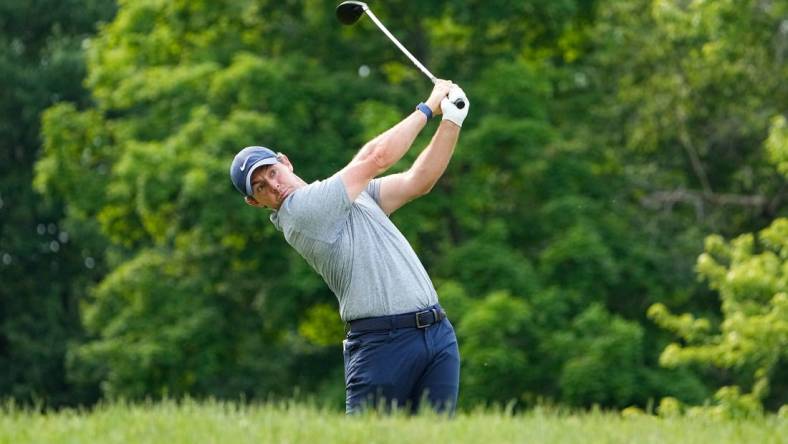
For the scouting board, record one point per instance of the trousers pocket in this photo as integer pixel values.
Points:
(350, 347)
(361, 354)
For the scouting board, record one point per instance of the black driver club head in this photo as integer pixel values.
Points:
(349, 12)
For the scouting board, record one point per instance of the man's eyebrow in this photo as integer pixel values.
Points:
(257, 173)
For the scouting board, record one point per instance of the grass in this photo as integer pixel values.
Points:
(224, 422)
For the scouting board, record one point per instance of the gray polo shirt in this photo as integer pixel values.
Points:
(362, 256)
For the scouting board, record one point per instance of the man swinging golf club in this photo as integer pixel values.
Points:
(400, 349)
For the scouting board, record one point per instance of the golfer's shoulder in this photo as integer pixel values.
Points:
(320, 193)
(319, 202)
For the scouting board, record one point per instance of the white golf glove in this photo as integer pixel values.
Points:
(450, 111)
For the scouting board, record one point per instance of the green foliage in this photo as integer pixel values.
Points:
(777, 144)
(503, 267)
(602, 344)
(747, 273)
(496, 339)
(321, 326)
(751, 278)
(45, 261)
(160, 353)
(697, 83)
(79, 157)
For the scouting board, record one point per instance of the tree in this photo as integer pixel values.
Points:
(696, 84)
(750, 274)
(45, 262)
(688, 91)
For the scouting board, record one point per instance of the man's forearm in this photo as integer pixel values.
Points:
(432, 162)
(391, 145)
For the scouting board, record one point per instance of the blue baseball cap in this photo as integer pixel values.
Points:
(245, 162)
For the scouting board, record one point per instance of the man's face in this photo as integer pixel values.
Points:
(271, 184)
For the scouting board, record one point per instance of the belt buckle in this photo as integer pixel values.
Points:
(434, 317)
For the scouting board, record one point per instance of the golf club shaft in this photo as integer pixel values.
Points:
(399, 45)
(348, 13)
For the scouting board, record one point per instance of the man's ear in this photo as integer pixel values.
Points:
(284, 161)
(253, 202)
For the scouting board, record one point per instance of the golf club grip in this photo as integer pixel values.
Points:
(459, 103)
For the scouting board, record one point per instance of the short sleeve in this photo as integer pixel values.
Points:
(320, 209)
(373, 189)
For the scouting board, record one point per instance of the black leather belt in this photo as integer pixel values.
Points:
(419, 319)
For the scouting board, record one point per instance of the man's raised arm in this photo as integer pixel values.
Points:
(385, 150)
(398, 189)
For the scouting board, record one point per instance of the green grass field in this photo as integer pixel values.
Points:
(218, 422)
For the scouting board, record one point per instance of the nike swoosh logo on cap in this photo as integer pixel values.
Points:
(244, 165)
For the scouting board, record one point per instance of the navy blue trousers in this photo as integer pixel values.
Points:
(402, 367)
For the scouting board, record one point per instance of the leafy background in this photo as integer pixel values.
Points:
(611, 231)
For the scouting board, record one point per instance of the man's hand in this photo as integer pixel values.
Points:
(439, 92)
(450, 110)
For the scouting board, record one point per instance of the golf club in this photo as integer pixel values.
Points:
(349, 12)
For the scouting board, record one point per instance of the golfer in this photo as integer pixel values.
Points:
(400, 348)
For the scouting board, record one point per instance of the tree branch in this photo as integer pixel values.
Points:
(697, 199)
(692, 152)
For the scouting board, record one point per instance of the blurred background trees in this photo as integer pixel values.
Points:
(606, 140)
(45, 261)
